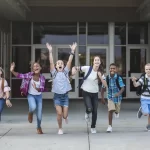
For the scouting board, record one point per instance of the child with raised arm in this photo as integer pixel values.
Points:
(34, 83)
(4, 92)
(145, 94)
(61, 85)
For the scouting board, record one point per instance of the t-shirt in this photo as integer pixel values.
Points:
(6, 88)
(145, 94)
(61, 83)
(91, 83)
(32, 90)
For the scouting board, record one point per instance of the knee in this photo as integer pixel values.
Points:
(89, 109)
(32, 109)
(59, 114)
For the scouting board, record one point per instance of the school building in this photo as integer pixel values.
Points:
(117, 30)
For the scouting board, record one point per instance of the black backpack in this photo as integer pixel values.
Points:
(117, 81)
(140, 89)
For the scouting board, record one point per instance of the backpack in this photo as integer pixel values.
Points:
(117, 81)
(140, 89)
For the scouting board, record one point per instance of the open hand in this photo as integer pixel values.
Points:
(49, 47)
(8, 103)
(73, 47)
(12, 66)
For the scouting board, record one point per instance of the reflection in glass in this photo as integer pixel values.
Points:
(42, 56)
(56, 33)
(138, 33)
(120, 33)
(98, 33)
(21, 55)
(120, 59)
(98, 52)
(21, 33)
(82, 33)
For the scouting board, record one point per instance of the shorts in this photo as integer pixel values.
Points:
(145, 105)
(114, 106)
(61, 100)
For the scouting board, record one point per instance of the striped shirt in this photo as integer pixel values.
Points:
(113, 88)
(146, 93)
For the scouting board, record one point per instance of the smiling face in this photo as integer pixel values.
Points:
(96, 61)
(59, 65)
(36, 68)
(112, 69)
(147, 69)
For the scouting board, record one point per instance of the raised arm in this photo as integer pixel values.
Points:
(12, 67)
(73, 48)
(49, 47)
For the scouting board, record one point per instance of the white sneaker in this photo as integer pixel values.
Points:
(87, 117)
(93, 130)
(60, 131)
(109, 129)
(116, 115)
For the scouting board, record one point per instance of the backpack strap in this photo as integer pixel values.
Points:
(117, 82)
(86, 76)
(107, 80)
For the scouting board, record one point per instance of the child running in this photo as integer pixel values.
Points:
(4, 92)
(90, 85)
(115, 88)
(34, 83)
(61, 85)
(145, 95)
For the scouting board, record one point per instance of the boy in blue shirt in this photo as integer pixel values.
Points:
(115, 87)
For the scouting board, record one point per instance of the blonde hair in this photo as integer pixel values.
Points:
(148, 64)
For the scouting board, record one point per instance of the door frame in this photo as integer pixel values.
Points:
(49, 95)
(98, 47)
(128, 93)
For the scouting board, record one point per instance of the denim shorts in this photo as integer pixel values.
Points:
(61, 100)
(145, 104)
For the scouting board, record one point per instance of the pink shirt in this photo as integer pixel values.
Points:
(6, 88)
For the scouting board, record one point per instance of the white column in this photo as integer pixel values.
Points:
(111, 32)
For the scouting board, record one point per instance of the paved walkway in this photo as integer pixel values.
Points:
(129, 133)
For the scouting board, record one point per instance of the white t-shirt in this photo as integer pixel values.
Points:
(32, 90)
(6, 88)
(91, 83)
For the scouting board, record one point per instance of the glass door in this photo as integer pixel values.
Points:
(40, 54)
(136, 60)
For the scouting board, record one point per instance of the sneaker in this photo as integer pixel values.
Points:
(60, 131)
(116, 115)
(139, 113)
(93, 130)
(87, 117)
(66, 120)
(109, 129)
(148, 128)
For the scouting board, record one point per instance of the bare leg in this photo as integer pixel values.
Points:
(59, 116)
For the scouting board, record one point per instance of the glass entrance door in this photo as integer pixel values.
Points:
(40, 54)
(136, 60)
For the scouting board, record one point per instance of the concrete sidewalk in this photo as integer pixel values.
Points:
(129, 133)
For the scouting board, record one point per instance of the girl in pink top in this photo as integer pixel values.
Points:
(4, 92)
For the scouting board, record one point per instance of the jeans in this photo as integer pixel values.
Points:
(91, 104)
(35, 103)
(2, 102)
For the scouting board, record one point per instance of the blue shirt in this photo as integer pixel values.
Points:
(61, 83)
(113, 88)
